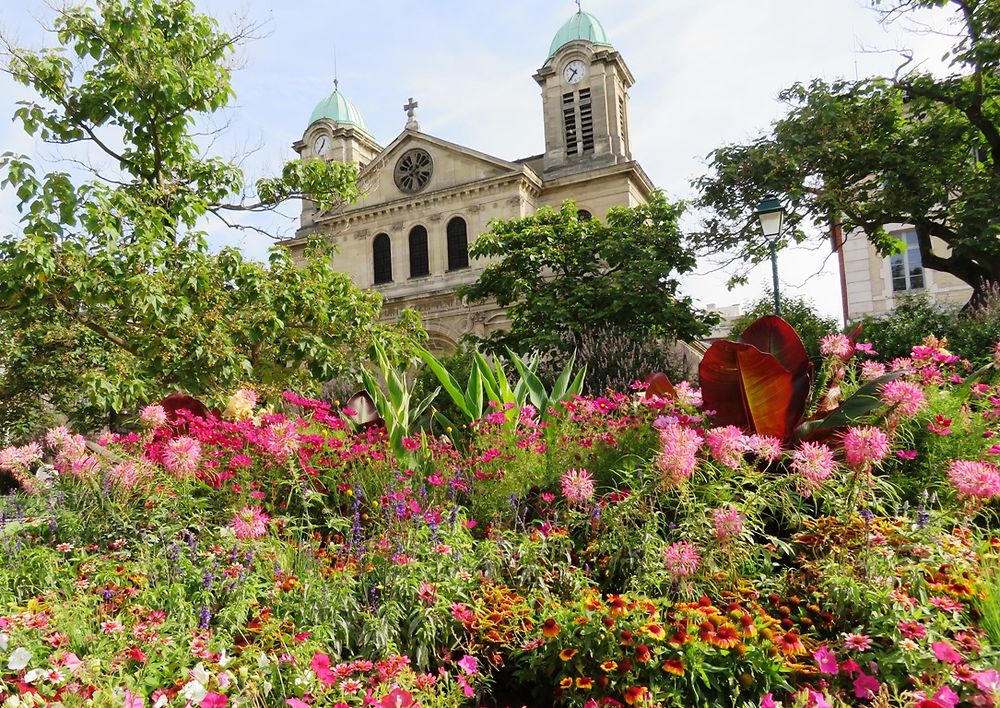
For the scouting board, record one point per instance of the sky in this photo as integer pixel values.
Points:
(707, 73)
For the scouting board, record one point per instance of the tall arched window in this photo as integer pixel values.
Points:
(382, 258)
(458, 244)
(419, 262)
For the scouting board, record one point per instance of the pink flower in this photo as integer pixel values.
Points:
(836, 345)
(680, 445)
(214, 700)
(865, 445)
(814, 463)
(767, 701)
(727, 445)
(866, 686)
(153, 416)
(181, 456)
(975, 479)
(132, 700)
(468, 664)
(681, 559)
(987, 681)
(912, 629)
(871, 370)
(858, 642)
(766, 447)
(296, 703)
(250, 522)
(397, 698)
(321, 667)
(728, 522)
(946, 604)
(946, 697)
(577, 486)
(826, 660)
(904, 397)
(946, 653)
(906, 454)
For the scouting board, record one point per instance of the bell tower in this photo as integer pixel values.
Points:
(585, 85)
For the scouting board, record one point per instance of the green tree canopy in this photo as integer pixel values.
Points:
(558, 274)
(915, 148)
(110, 293)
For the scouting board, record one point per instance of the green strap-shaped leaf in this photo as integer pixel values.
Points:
(448, 381)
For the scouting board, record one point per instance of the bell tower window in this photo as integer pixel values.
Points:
(382, 259)
(578, 122)
(419, 261)
(458, 244)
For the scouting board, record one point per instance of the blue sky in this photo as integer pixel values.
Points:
(707, 73)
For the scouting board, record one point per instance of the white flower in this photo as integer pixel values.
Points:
(4, 641)
(12, 702)
(33, 675)
(266, 687)
(19, 658)
(200, 674)
(194, 691)
(224, 659)
(161, 701)
(263, 661)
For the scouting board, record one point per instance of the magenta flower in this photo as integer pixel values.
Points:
(681, 559)
(814, 463)
(469, 664)
(767, 701)
(181, 456)
(214, 700)
(680, 445)
(296, 703)
(946, 653)
(865, 445)
(904, 397)
(577, 486)
(321, 667)
(826, 660)
(727, 445)
(836, 345)
(250, 522)
(866, 686)
(975, 479)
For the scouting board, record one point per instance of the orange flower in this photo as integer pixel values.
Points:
(654, 630)
(617, 605)
(642, 654)
(550, 628)
(790, 644)
(581, 620)
(635, 694)
(566, 683)
(609, 666)
(584, 683)
(725, 637)
(567, 654)
(593, 603)
(673, 666)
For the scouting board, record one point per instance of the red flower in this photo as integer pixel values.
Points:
(673, 666)
(635, 694)
(642, 654)
(550, 628)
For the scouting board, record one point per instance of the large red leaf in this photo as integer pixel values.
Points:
(748, 388)
(659, 385)
(773, 335)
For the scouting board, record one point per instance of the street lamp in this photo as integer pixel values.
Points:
(772, 216)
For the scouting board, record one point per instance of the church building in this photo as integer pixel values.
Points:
(425, 199)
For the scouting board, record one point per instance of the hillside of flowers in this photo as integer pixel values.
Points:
(787, 533)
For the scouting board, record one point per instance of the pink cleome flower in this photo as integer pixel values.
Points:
(727, 445)
(974, 479)
(681, 558)
(766, 447)
(906, 398)
(250, 522)
(577, 486)
(836, 345)
(181, 456)
(680, 445)
(814, 463)
(728, 522)
(153, 416)
(865, 445)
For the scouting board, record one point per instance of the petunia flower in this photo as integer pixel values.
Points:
(866, 686)
(826, 660)
(946, 653)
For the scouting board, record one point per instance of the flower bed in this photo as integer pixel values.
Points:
(628, 549)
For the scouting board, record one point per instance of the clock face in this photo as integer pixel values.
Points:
(575, 71)
(413, 171)
(321, 144)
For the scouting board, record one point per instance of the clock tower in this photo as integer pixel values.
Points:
(585, 85)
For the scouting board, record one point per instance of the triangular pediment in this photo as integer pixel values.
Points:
(451, 166)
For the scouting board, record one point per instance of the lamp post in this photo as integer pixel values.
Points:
(771, 215)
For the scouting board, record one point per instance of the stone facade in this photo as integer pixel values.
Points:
(419, 180)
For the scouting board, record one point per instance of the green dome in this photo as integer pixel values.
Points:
(581, 25)
(338, 108)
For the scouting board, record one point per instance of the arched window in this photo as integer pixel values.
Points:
(419, 262)
(382, 258)
(458, 244)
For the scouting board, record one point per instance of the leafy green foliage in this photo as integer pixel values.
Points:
(558, 274)
(917, 149)
(111, 286)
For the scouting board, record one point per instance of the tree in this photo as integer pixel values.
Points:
(796, 311)
(557, 273)
(110, 288)
(913, 148)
